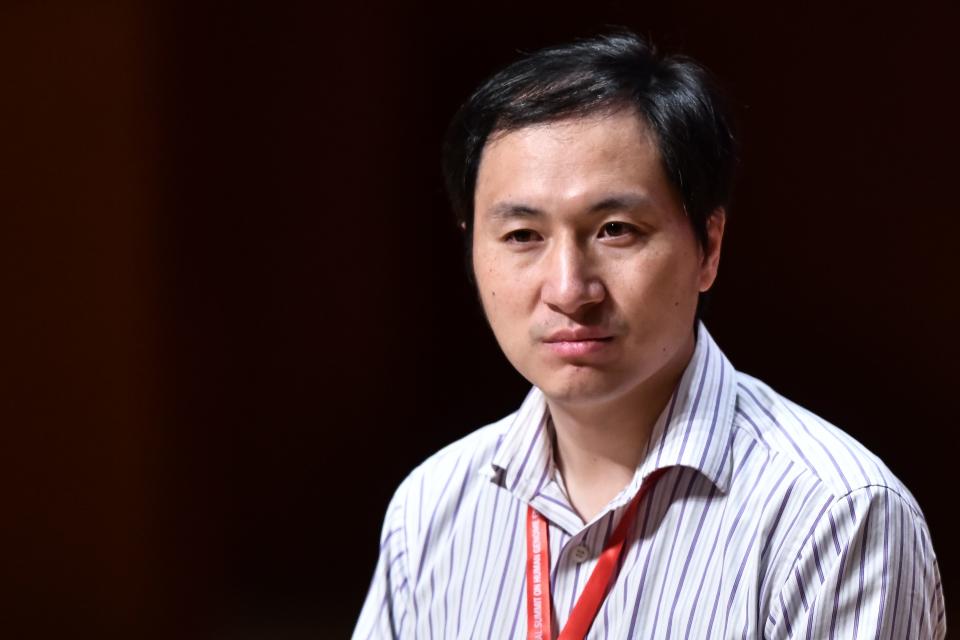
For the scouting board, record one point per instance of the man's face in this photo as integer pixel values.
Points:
(587, 267)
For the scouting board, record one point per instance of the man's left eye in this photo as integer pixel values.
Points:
(615, 229)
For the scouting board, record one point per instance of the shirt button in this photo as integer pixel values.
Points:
(580, 553)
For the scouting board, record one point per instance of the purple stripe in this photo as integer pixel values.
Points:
(573, 588)
(753, 537)
(430, 613)
(801, 589)
(557, 502)
(693, 409)
(423, 479)
(863, 560)
(383, 605)
(394, 561)
(605, 538)
(713, 547)
(726, 547)
(746, 455)
(776, 519)
(736, 582)
(686, 564)
(913, 589)
(553, 573)
(463, 583)
(853, 512)
(816, 558)
(777, 424)
(713, 422)
(803, 425)
(496, 447)
(446, 591)
(918, 557)
(526, 458)
(886, 559)
(543, 479)
(666, 424)
(790, 527)
(520, 607)
(486, 556)
(506, 564)
(740, 413)
(854, 457)
(413, 591)
(786, 616)
(386, 538)
(609, 529)
(896, 593)
(697, 535)
(453, 538)
(810, 619)
(702, 581)
(453, 541)
(673, 542)
(836, 593)
(831, 499)
(433, 515)
(833, 529)
(810, 534)
(643, 575)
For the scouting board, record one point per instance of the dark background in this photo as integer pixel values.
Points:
(235, 313)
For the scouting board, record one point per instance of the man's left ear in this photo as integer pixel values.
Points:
(716, 222)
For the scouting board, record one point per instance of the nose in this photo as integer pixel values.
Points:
(570, 285)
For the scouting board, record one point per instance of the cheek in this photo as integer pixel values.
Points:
(485, 279)
(499, 301)
(499, 282)
(662, 284)
(494, 294)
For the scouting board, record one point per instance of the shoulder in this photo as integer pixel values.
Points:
(837, 460)
(430, 497)
(838, 515)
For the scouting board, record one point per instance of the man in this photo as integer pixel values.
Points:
(645, 488)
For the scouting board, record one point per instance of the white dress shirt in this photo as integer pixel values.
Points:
(767, 522)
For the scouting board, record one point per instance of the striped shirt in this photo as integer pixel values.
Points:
(767, 521)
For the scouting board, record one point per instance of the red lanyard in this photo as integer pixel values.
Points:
(539, 613)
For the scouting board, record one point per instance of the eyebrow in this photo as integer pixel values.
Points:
(617, 202)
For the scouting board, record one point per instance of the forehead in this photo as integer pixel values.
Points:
(565, 161)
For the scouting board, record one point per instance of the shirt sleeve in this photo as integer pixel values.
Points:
(384, 613)
(867, 570)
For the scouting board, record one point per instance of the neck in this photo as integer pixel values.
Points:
(600, 445)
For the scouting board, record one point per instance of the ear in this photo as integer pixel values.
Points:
(710, 262)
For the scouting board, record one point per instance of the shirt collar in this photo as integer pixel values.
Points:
(692, 431)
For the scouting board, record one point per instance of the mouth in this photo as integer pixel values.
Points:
(579, 334)
(569, 347)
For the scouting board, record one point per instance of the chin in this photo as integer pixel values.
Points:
(583, 387)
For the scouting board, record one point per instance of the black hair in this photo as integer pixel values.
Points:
(676, 97)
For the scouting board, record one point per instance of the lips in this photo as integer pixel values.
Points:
(579, 334)
(578, 343)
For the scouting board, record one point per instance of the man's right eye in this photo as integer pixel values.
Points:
(521, 236)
